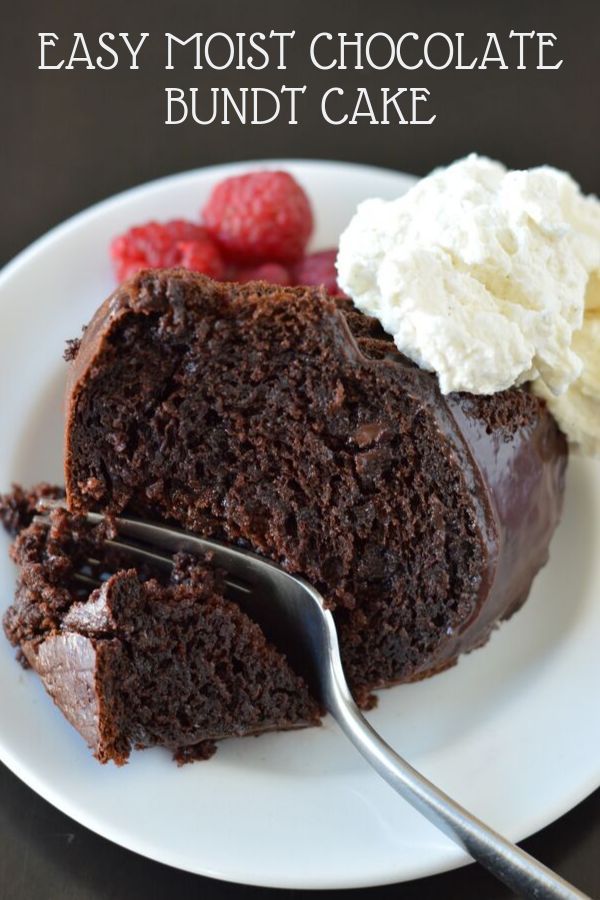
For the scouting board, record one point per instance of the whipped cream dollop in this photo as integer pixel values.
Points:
(578, 410)
(481, 275)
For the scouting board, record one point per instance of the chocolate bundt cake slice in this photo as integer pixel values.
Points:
(147, 658)
(281, 420)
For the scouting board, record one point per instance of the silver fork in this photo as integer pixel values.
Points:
(294, 618)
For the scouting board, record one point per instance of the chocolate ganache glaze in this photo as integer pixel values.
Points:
(285, 421)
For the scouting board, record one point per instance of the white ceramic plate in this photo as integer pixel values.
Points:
(512, 732)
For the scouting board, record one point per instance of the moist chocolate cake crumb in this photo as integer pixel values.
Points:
(146, 659)
(72, 349)
(203, 750)
(287, 422)
(18, 507)
(72, 346)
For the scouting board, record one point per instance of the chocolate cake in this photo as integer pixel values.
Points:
(283, 421)
(146, 658)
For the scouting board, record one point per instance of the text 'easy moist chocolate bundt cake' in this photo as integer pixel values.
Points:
(283, 421)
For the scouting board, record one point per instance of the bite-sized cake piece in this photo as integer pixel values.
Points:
(145, 660)
(281, 420)
(18, 507)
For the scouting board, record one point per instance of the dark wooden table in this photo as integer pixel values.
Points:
(71, 138)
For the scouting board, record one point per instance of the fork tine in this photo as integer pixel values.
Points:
(87, 580)
(164, 561)
(144, 555)
(150, 556)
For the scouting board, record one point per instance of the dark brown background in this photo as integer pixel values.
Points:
(70, 138)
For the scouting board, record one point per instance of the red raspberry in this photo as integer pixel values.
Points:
(318, 268)
(274, 273)
(260, 216)
(154, 245)
(202, 256)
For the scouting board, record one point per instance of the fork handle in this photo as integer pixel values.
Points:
(518, 870)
